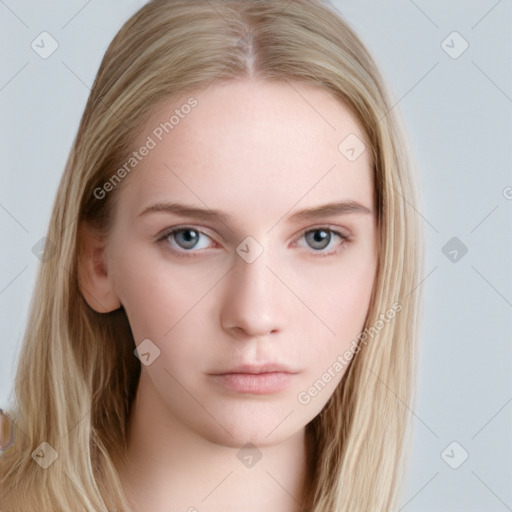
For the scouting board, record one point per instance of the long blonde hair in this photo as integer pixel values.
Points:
(77, 374)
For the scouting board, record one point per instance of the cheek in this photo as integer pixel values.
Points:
(339, 300)
(346, 305)
(157, 295)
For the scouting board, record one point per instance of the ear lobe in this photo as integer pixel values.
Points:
(94, 282)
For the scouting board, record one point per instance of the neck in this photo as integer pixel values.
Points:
(169, 467)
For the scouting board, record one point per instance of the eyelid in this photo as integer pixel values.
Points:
(345, 233)
(178, 227)
(164, 234)
(334, 229)
(338, 230)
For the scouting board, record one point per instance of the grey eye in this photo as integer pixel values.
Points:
(318, 238)
(186, 238)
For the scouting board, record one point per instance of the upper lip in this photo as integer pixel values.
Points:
(256, 368)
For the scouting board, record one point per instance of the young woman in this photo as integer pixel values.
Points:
(228, 314)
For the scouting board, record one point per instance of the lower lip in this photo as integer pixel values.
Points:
(254, 383)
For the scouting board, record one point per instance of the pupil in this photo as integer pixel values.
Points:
(320, 238)
(188, 238)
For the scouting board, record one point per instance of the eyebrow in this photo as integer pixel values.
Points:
(313, 213)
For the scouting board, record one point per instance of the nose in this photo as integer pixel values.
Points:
(253, 302)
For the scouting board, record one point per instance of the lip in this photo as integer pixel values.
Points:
(256, 369)
(260, 379)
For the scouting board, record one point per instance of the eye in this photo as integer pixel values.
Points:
(185, 239)
(320, 239)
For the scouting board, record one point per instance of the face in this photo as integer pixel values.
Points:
(227, 258)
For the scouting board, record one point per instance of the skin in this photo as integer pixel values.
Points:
(258, 151)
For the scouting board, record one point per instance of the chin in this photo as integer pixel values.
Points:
(261, 428)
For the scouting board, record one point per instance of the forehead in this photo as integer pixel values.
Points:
(254, 145)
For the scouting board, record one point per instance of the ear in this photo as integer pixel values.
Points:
(93, 278)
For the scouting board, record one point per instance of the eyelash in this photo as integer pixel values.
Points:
(164, 239)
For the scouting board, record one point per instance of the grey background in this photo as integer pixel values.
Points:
(458, 113)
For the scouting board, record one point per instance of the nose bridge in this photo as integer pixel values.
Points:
(253, 276)
(252, 299)
(254, 282)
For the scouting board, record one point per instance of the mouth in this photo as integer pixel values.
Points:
(255, 379)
